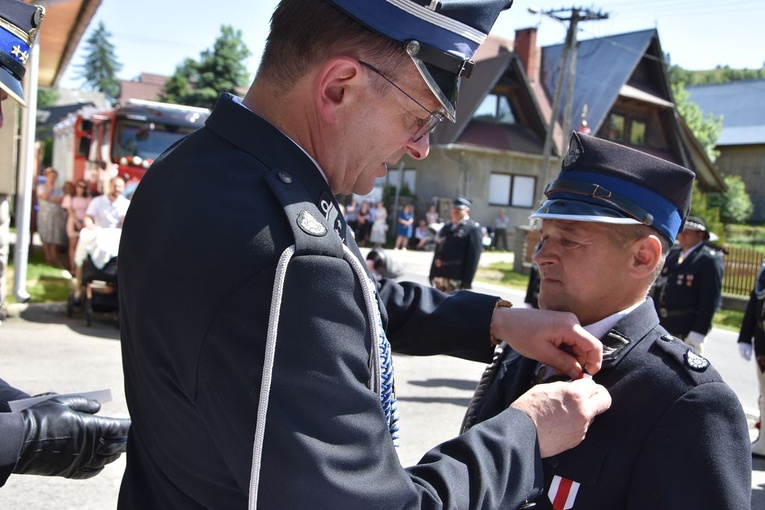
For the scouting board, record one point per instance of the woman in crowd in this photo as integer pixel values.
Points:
(50, 217)
(404, 227)
(75, 206)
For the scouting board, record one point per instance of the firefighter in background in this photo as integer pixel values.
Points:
(458, 250)
(689, 289)
(753, 334)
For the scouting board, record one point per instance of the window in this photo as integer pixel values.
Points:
(512, 190)
(616, 127)
(495, 108)
(637, 132)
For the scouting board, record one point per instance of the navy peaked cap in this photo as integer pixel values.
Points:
(441, 36)
(605, 182)
(19, 23)
(461, 203)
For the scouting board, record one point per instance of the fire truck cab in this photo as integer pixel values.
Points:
(98, 144)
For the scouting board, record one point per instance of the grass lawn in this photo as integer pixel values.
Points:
(45, 284)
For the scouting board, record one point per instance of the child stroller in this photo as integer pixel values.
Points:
(96, 286)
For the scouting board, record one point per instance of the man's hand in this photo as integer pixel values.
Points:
(562, 412)
(64, 438)
(552, 338)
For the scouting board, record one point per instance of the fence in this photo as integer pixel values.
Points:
(741, 265)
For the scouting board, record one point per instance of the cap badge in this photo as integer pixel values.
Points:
(310, 225)
(695, 361)
(19, 54)
(571, 156)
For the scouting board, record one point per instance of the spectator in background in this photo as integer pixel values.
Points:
(432, 215)
(458, 250)
(753, 334)
(351, 215)
(688, 292)
(109, 210)
(421, 234)
(500, 230)
(404, 227)
(364, 217)
(50, 218)
(75, 206)
(379, 233)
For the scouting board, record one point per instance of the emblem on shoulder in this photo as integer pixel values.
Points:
(695, 361)
(310, 225)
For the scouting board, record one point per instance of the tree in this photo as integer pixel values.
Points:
(706, 129)
(220, 69)
(46, 97)
(735, 206)
(99, 71)
(701, 208)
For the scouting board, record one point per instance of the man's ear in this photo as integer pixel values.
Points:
(646, 255)
(336, 86)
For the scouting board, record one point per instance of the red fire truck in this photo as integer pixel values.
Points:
(96, 144)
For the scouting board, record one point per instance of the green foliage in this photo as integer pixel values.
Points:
(220, 69)
(99, 71)
(700, 207)
(735, 206)
(706, 128)
(721, 74)
(46, 97)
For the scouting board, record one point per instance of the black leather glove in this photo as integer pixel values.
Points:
(64, 438)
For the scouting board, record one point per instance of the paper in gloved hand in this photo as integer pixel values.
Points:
(99, 396)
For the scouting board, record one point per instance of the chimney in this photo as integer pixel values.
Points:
(527, 50)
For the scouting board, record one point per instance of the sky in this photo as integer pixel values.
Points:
(154, 36)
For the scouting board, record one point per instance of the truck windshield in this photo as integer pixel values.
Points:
(146, 140)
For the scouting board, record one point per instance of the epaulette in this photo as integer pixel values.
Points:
(698, 368)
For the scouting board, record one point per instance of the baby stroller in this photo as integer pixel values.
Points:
(96, 286)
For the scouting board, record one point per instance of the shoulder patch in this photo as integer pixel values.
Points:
(696, 361)
(310, 225)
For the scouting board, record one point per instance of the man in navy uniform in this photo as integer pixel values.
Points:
(458, 250)
(676, 435)
(60, 436)
(751, 337)
(688, 292)
(256, 347)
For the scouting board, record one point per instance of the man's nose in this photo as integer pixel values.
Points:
(420, 148)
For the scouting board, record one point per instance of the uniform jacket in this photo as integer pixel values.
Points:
(198, 259)
(754, 317)
(12, 431)
(687, 294)
(458, 251)
(675, 436)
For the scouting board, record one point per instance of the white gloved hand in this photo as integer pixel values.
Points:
(696, 340)
(745, 350)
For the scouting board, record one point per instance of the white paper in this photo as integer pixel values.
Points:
(100, 396)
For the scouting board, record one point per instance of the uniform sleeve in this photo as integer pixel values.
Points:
(472, 256)
(710, 291)
(424, 321)
(8, 393)
(12, 432)
(697, 457)
(749, 322)
(327, 444)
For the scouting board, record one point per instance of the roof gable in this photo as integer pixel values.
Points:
(742, 106)
(603, 66)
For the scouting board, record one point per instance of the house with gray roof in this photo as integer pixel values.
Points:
(742, 140)
(493, 154)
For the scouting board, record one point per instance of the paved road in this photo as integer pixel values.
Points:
(43, 350)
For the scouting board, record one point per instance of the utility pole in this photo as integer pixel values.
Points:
(567, 69)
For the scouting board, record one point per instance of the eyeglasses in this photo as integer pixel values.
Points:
(423, 126)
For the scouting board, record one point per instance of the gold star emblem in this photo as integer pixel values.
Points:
(21, 55)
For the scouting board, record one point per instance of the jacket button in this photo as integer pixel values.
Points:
(285, 177)
(552, 462)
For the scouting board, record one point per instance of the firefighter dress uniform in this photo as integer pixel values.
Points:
(753, 332)
(688, 291)
(675, 436)
(457, 253)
